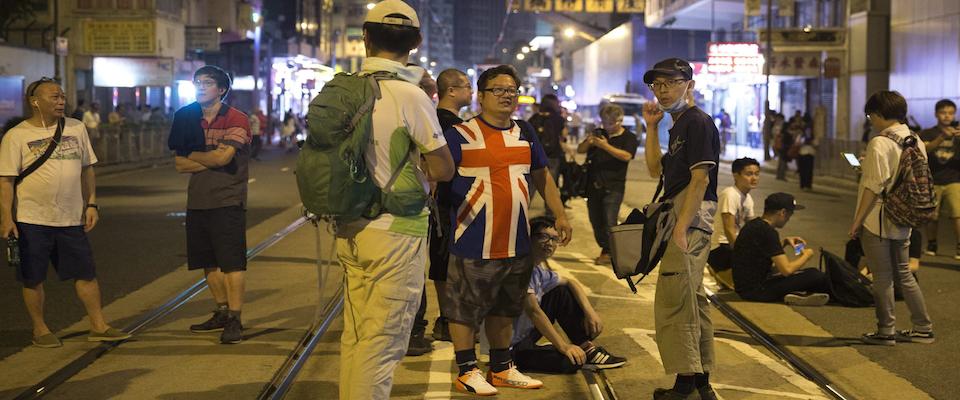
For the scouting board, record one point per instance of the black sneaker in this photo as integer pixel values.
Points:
(232, 332)
(879, 339)
(214, 324)
(441, 330)
(912, 336)
(419, 345)
(811, 299)
(600, 358)
(670, 394)
(931, 248)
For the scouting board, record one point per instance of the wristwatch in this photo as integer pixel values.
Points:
(93, 206)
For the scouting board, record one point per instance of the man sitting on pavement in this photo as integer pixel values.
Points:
(758, 249)
(551, 298)
(735, 206)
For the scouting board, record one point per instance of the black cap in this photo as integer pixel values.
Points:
(670, 67)
(781, 201)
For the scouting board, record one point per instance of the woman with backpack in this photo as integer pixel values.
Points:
(883, 235)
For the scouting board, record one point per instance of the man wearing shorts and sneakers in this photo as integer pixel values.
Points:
(51, 210)
(943, 153)
(490, 262)
(216, 197)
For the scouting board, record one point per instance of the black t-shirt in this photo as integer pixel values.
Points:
(447, 120)
(694, 140)
(549, 128)
(756, 245)
(944, 159)
(606, 170)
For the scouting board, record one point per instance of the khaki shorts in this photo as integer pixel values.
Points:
(948, 197)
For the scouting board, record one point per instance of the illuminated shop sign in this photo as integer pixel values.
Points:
(734, 57)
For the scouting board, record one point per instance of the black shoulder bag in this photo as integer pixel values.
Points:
(45, 156)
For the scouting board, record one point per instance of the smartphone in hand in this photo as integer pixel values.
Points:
(852, 159)
(798, 249)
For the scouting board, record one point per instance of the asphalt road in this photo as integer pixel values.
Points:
(139, 238)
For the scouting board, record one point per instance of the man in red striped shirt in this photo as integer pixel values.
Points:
(216, 198)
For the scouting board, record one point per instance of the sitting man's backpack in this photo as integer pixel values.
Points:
(911, 200)
(332, 173)
(847, 286)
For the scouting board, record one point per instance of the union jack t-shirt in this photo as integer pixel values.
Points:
(491, 190)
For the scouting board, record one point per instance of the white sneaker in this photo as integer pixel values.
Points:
(513, 378)
(812, 299)
(473, 382)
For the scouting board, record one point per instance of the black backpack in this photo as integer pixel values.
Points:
(847, 286)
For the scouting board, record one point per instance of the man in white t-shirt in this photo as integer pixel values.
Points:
(50, 210)
(734, 209)
(384, 259)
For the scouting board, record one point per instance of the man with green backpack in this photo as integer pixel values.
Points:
(361, 167)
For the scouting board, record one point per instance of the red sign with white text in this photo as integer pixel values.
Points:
(734, 58)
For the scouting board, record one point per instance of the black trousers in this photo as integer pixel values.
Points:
(805, 168)
(774, 288)
(560, 306)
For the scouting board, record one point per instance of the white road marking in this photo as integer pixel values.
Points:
(570, 274)
(439, 380)
(773, 393)
(284, 169)
(646, 295)
(251, 180)
(644, 338)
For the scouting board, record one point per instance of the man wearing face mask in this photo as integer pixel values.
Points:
(689, 173)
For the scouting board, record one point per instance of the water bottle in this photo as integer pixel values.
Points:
(13, 251)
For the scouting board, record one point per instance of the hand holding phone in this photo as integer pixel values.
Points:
(798, 249)
(852, 160)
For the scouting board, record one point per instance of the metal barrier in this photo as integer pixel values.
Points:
(131, 142)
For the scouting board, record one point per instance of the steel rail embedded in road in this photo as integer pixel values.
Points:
(805, 369)
(598, 384)
(60, 376)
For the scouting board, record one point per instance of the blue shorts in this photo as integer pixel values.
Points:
(67, 248)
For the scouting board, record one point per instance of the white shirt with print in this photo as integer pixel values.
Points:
(731, 200)
(880, 166)
(51, 195)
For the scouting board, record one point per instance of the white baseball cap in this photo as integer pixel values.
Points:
(381, 14)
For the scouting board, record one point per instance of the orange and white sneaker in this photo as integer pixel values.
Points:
(513, 378)
(473, 382)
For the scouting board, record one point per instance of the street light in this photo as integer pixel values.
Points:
(370, 6)
(525, 49)
(569, 33)
(433, 63)
(423, 59)
(520, 56)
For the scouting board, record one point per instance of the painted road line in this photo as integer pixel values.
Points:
(571, 275)
(772, 393)
(644, 338)
(439, 381)
(251, 180)
(646, 295)
(284, 169)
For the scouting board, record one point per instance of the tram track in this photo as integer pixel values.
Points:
(54, 380)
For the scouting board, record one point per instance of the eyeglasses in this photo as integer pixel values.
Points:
(206, 83)
(503, 92)
(546, 238)
(37, 84)
(655, 86)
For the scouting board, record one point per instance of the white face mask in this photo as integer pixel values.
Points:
(679, 105)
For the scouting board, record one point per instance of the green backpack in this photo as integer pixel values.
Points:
(331, 172)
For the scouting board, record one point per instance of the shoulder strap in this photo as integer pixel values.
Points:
(46, 154)
(656, 194)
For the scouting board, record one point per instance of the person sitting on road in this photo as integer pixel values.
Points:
(551, 298)
(735, 208)
(758, 250)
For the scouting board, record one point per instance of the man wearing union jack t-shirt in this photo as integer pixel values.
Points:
(497, 161)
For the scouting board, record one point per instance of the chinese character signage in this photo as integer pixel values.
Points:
(537, 5)
(568, 5)
(795, 64)
(631, 6)
(600, 6)
(734, 57)
(116, 37)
